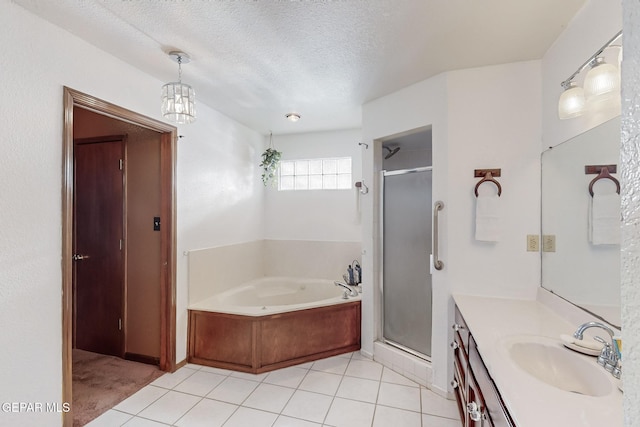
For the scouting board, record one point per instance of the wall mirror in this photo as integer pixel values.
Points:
(583, 272)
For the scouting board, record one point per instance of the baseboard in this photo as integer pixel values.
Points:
(181, 364)
(149, 360)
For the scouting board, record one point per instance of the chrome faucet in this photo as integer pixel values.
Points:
(608, 357)
(350, 292)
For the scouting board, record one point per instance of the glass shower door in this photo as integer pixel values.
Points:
(406, 250)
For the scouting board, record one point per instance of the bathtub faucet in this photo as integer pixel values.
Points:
(350, 292)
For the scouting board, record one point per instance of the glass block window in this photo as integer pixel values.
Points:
(315, 174)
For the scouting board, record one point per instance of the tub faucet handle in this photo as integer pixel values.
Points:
(349, 291)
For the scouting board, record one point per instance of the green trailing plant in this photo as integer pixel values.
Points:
(270, 161)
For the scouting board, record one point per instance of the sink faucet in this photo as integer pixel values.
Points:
(351, 291)
(608, 357)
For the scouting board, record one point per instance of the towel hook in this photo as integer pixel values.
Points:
(487, 176)
(604, 172)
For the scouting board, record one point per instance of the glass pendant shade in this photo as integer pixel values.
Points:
(178, 103)
(602, 82)
(572, 102)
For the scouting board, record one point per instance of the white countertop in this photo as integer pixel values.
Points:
(531, 402)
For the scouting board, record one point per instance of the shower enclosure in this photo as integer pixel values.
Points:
(406, 248)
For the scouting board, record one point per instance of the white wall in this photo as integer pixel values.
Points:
(315, 215)
(215, 153)
(492, 125)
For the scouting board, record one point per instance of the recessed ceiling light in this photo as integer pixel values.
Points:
(294, 117)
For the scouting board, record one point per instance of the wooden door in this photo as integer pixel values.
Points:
(98, 245)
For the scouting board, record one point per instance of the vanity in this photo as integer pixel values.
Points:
(511, 369)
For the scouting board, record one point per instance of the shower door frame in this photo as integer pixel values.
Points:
(384, 173)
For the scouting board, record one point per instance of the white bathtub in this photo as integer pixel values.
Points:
(271, 295)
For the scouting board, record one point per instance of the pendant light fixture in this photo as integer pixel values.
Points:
(178, 99)
(600, 89)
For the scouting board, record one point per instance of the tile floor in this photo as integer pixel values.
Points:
(347, 390)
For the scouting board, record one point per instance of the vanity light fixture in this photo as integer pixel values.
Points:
(572, 101)
(601, 86)
(293, 117)
(179, 99)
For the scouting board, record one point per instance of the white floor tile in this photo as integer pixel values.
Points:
(193, 366)
(359, 389)
(433, 404)
(433, 421)
(386, 417)
(213, 370)
(308, 406)
(247, 417)
(287, 377)
(200, 383)
(207, 413)
(143, 422)
(364, 369)
(347, 413)
(399, 396)
(248, 376)
(283, 421)
(389, 376)
(269, 397)
(140, 399)
(321, 382)
(233, 390)
(307, 365)
(172, 380)
(357, 355)
(333, 365)
(110, 418)
(170, 407)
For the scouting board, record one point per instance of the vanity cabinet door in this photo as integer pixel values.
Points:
(460, 363)
(485, 388)
(476, 409)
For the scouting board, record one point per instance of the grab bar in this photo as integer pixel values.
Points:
(437, 263)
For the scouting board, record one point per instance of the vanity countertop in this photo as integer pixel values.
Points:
(531, 402)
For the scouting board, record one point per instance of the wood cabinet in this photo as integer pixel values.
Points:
(479, 401)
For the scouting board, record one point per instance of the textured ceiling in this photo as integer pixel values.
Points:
(257, 60)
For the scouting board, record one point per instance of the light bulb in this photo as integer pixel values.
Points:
(572, 102)
(602, 82)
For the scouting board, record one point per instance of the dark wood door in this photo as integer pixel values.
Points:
(98, 245)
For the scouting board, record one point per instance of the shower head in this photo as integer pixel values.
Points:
(391, 151)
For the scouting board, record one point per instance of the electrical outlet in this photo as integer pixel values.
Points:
(533, 242)
(548, 243)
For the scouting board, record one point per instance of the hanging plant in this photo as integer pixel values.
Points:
(270, 161)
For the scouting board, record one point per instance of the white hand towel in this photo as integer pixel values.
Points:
(604, 216)
(488, 218)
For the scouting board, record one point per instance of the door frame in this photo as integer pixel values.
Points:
(168, 141)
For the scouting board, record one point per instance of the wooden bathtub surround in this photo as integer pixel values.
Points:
(265, 343)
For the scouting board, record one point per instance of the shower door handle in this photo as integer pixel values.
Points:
(437, 262)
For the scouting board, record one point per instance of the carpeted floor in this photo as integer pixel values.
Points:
(100, 382)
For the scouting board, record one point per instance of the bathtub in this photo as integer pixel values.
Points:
(273, 322)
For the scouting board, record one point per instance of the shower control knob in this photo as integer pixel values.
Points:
(457, 327)
(454, 345)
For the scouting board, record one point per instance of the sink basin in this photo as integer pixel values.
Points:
(549, 361)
